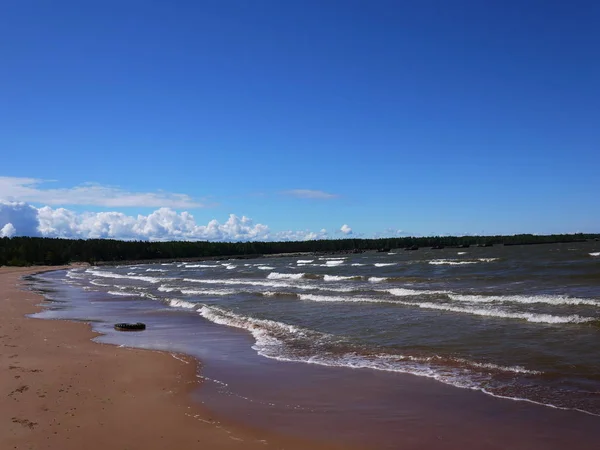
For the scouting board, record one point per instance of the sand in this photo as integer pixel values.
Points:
(60, 390)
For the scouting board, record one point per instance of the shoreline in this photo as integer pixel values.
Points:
(59, 389)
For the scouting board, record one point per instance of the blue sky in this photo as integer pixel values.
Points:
(432, 117)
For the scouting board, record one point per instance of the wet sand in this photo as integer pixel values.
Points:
(60, 390)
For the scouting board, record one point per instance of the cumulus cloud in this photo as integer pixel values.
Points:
(29, 190)
(346, 229)
(21, 216)
(305, 235)
(8, 230)
(308, 193)
(21, 219)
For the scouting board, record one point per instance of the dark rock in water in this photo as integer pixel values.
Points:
(385, 249)
(139, 326)
(412, 247)
(437, 247)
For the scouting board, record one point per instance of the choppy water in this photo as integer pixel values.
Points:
(517, 322)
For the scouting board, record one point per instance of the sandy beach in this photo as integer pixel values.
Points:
(60, 390)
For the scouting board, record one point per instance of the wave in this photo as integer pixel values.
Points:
(503, 314)
(156, 270)
(524, 299)
(461, 253)
(124, 293)
(595, 254)
(339, 299)
(340, 277)
(459, 262)
(451, 262)
(337, 258)
(199, 291)
(285, 342)
(403, 292)
(176, 303)
(204, 266)
(377, 279)
(75, 275)
(489, 312)
(333, 263)
(384, 264)
(103, 274)
(304, 261)
(97, 283)
(271, 284)
(270, 335)
(265, 268)
(358, 264)
(285, 276)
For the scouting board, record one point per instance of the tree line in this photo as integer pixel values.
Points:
(23, 251)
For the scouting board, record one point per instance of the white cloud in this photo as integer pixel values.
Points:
(8, 230)
(305, 235)
(29, 190)
(346, 229)
(21, 216)
(17, 218)
(308, 193)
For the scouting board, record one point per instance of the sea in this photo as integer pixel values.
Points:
(365, 347)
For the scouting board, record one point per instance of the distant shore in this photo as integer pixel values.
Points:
(60, 390)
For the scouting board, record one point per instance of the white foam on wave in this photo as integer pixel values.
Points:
(358, 264)
(186, 291)
(503, 314)
(333, 263)
(176, 303)
(304, 285)
(124, 293)
(461, 253)
(403, 292)
(97, 283)
(163, 288)
(103, 274)
(384, 264)
(284, 276)
(338, 278)
(450, 262)
(489, 312)
(268, 334)
(459, 262)
(156, 270)
(342, 299)
(204, 266)
(525, 299)
(377, 279)
(265, 268)
(595, 254)
(304, 261)
(337, 258)
(513, 369)
(75, 275)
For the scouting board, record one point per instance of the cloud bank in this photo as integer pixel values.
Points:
(164, 224)
(29, 190)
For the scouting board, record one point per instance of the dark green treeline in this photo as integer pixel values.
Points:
(21, 251)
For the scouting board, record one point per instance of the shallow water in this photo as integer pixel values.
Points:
(279, 336)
